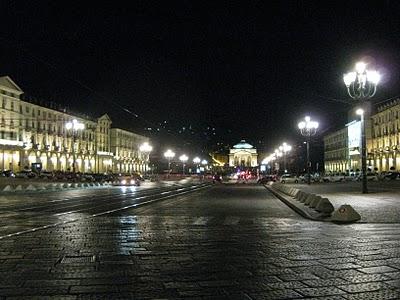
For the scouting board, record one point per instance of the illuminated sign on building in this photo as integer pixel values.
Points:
(354, 134)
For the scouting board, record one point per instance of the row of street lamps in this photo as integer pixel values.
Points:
(169, 155)
(361, 86)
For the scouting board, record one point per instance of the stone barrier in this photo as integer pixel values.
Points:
(325, 206)
(8, 188)
(310, 197)
(19, 188)
(314, 202)
(30, 188)
(345, 214)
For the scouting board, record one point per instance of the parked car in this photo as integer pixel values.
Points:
(391, 176)
(288, 178)
(267, 178)
(370, 177)
(25, 174)
(46, 175)
(127, 180)
(334, 177)
(7, 173)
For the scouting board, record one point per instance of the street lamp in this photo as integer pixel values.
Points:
(361, 85)
(169, 154)
(308, 128)
(75, 126)
(146, 149)
(285, 148)
(197, 161)
(183, 158)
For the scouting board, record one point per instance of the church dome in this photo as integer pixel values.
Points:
(243, 145)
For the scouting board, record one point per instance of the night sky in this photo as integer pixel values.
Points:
(249, 70)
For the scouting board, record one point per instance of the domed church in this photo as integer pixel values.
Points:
(243, 155)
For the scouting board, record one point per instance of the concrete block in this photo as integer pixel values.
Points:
(325, 206)
(30, 188)
(295, 192)
(309, 198)
(18, 188)
(74, 185)
(66, 185)
(298, 195)
(303, 197)
(8, 188)
(345, 214)
(314, 202)
(40, 187)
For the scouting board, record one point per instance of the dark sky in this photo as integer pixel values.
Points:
(249, 70)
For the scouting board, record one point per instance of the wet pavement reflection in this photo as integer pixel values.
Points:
(224, 242)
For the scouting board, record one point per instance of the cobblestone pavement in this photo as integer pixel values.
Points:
(380, 205)
(227, 242)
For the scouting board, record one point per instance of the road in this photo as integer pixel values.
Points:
(219, 242)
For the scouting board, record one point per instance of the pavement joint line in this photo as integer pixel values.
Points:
(102, 213)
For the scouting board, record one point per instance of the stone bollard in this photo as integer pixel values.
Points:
(325, 206)
(30, 188)
(345, 214)
(298, 195)
(314, 202)
(303, 197)
(309, 198)
(295, 192)
(8, 188)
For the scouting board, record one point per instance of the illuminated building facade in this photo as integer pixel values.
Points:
(125, 148)
(384, 146)
(243, 155)
(34, 134)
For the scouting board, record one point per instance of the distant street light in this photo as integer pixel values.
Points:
(204, 162)
(169, 154)
(308, 128)
(146, 149)
(361, 85)
(183, 158)
(197, 161)
(285, 148)
(75, 126)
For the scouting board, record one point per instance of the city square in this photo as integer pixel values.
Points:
(200, 150)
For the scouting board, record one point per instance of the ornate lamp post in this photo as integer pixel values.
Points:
(285, 148)
(278, 154)
(146, 149)
(183, 158)
(75, 126)
(361, 85)
(169, 154)
(308, 128)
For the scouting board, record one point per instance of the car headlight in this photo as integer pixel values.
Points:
(133, 181)
(123, 181)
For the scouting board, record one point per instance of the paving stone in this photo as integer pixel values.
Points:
(394, 283)
(324, 282)
(366, 278)
(275, 295)
(379, 295)
(373, 270)
(363, 287)
(320, 291)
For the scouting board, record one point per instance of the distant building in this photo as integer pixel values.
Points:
(35, 133)
(384, 146)
(243, 155)
(342, 148)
